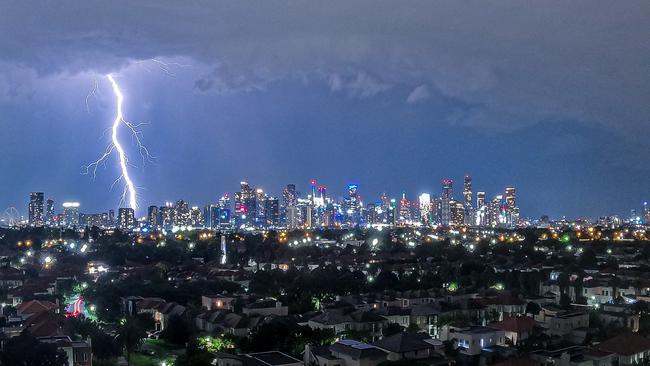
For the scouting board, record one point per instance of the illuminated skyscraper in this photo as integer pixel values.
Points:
(182, 214)
(49, 212)
(425, 208)
(71, 214)
(457, 212)
(126, 218)
(167, 216)
(153, 217)
(36, 208)
(481, 215)
(512, 211)
(646, 213)
(196, 217)
(445, 201)
(353, 205)
(467, 198)
(224, 201)
(404, 210)
(245, 205)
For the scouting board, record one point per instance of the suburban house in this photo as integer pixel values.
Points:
(574, 356)
(266, 307)
(346, 352)
(558, 322)
(218, 302)
(78, 353)
(473, 340)
(516, 328)
(409, 346)
(629, 348)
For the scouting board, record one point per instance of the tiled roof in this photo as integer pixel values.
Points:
(626, 344)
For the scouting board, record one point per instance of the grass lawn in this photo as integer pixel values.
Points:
(138, 359)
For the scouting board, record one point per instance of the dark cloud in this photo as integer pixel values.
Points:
(585, 60)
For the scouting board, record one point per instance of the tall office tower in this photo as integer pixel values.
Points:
(435, 210)
(126, 218)
(111, 218)
(457, 212)
(447, 188)
(646, 213)
(467, 198)
(260, 213)
(633, 216)
(495, 216)
(425, 208)
(307, 214)
(404, 210)
(480, 199)
(153, 217)
(322, 197)
(182, 215)
(71, 214)
(467, 191)
(481, 214)
(512, 212)
(313, 192)
(211, 216)
(196, 217)
(445, 201)
(36, 208)
(293, 217)
(167, 216)
(383, 208)
(245, 205)
(371, 214)
(353, 205)
(224, 201)
(289, 196)
(392, 216)
(49, 212)
(272, 211)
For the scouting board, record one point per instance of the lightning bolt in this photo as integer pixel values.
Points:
(129, 193)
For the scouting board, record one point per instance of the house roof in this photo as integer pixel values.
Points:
(357, 350)
(626, 344)
(403, 342)
(36, 306)
(517, 362)
(517, 324)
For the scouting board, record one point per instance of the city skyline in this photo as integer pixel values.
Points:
(393, 113)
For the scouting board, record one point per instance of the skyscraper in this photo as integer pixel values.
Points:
(646, 213)
(71, 214)
(182, 214)
(49, 212)
(445, 201)
(425, 208)
(481, 214)
(245, 205)
(153, 217)
(467, 198)
(126, 218)
(36, 208)
(512, 211)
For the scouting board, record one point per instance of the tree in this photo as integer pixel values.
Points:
(130, 336)
(25, 350)
(392, 328)
(178, 331)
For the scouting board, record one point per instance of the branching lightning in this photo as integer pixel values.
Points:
(129, 193)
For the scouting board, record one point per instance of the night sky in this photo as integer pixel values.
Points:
(551, 97)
